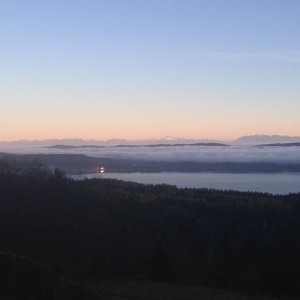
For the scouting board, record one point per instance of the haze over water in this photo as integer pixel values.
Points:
(232, 153)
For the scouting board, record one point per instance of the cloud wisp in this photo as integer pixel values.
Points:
(292, 57)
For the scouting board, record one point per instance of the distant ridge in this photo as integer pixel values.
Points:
(280, 145)
(156, 142)
(111, 142)
(48, 142)
(65, 147)
(266, 139)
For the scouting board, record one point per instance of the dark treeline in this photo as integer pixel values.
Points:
(83, 164)
(93, 229)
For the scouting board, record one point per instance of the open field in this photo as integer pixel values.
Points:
(149, 290)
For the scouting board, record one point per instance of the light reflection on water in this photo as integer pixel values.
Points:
(275, 183)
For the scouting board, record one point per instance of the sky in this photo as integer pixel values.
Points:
(140, 69)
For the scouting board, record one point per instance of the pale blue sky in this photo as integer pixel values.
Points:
(149, 68)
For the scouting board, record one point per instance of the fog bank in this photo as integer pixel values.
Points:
(234, 153)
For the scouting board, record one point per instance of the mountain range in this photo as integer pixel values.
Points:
(244, 140)
(266, 139)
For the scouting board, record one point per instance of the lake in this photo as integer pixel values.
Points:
(275, 183)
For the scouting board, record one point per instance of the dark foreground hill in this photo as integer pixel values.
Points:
(24, 278)
(96, 230)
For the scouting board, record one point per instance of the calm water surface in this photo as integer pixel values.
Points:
(275, 183)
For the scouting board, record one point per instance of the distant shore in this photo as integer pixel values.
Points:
(73, 164)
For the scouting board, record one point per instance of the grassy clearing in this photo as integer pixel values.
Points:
(148, 290)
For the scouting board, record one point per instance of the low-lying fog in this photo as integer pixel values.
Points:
(233, 153)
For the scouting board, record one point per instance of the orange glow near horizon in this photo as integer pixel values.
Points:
(129, 134)
(194, 124)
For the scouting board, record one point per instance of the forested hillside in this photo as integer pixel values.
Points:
(96, 229)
